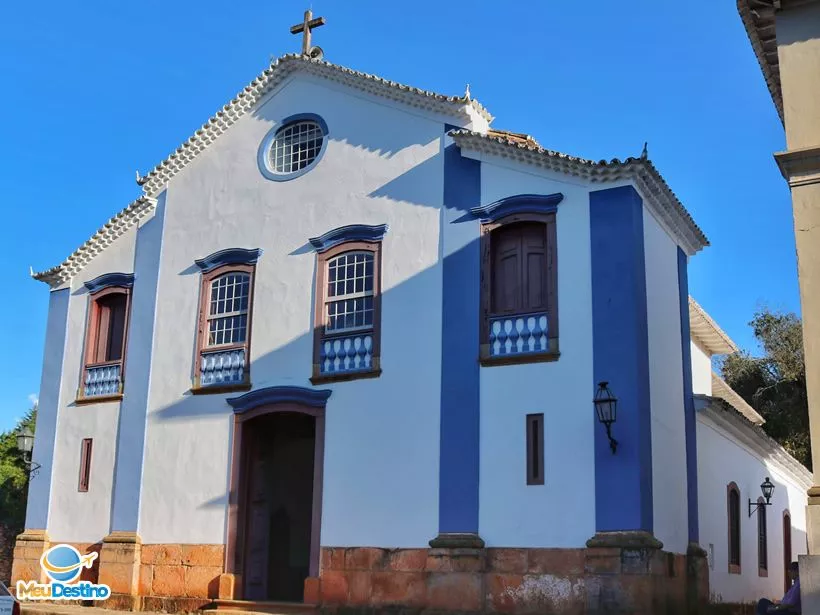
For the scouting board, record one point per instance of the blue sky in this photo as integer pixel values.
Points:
(93, 91)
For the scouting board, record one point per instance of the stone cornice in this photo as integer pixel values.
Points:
(706, 332)
(518, 204)
(108, 280)
(351, 232)
(726, 418)
(104, 237)
(758, 18)
(800, 167)
(722, 390)
(229, 256)
(658, 197)
(315, 398)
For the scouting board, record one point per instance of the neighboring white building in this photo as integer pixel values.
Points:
(736, 455)
(319, 359)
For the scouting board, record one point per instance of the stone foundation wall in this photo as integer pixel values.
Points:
(495, 580)
(181, 571)
(170, 577)
(28, 548)
(498, 580)
(179, 578)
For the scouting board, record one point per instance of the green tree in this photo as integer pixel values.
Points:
(13, 476)
(775, 383)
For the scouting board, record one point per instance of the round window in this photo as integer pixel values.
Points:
(295, 146)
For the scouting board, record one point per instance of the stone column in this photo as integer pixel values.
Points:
(801, 168)
(798, 50)
(119, 569)
(798, 38)
(28, 549)
(120, 557)
(623, 479)
(459, 445)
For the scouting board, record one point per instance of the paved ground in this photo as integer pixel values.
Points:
(33, 608)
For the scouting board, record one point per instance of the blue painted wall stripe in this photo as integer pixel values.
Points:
(48, 408)
(688, 400)
(623, 482)
(460, 402)
(125, 500)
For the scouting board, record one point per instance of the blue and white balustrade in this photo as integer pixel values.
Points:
(349, 353)
(222, 367)
(102, 380)
(518, 334)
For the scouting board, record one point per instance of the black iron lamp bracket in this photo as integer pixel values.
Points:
(613, 443)
(754, 506)
(32, 467)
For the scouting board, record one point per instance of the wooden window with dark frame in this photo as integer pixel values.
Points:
(85, 465)
(787, 549)
(519, 286)
(535, 449)
(224, 331)
(733, 527)
(105, 343)
(762, 540)
(347, 313)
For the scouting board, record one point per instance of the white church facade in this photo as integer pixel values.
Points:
(343, 351)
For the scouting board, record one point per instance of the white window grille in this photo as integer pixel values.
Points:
(295, 146)
(349, 300)
(228, 309)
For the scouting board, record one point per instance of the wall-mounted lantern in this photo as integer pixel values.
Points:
(25, 444)
(606, 407)
(767, 488)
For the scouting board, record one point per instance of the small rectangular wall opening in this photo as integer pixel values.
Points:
(85, 465)
(535, 449)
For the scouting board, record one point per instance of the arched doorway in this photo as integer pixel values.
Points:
(274, 514)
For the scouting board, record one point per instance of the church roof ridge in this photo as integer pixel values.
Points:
(706, 331)
(752, 435)
(154, 181)
(105, 236)
(758, 18)
(722, 390)
(660, 198)
(272, 76)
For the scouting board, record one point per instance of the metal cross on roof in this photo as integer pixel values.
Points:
(305, 28)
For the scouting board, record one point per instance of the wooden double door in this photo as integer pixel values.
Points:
(277, 511)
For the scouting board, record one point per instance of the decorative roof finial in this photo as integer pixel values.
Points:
(645, 152)
(140, 180)
(31, 271)
(314, 53)
(467, 92)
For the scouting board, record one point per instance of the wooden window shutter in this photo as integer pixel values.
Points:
(534, 248)
(506, 270)
(85, 464)
(519, 268)
(762, 539)
(733, 501)
(535, 449)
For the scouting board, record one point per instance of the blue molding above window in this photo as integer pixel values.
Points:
(230, 256)
(518, 204)
(263, 158)
(108, 280)
(351, 232)
(315, 398)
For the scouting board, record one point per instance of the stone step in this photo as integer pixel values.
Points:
(245, 607)
(52, 608)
